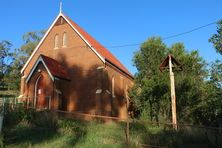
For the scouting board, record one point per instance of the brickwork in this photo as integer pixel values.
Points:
(89, 88)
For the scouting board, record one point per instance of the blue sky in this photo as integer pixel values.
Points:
(118, 22)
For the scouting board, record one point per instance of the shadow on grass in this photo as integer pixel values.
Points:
(25, 134)
(165, 136)
(68, 134)
(76, 130)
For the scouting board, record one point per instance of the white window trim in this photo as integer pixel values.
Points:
(56, 41)
(64, 40)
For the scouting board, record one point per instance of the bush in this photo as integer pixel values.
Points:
(13, 116)
(1, 140)
(29, 115)
(44, 119)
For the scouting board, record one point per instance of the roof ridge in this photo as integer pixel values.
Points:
(103, 51)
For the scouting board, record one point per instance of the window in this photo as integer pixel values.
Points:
(64, 40)
(126, 92)
(113, 87)
(56, 40)
(121, 84)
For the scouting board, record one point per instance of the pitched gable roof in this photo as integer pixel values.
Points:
(56, 69)
(100, 50)
(53, 67)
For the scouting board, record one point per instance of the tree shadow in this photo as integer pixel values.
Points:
(25, 134)
(88, 91)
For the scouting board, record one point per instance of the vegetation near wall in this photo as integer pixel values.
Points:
(45, 129)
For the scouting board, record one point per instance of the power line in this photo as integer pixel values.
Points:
(167, 37)
(192, 30)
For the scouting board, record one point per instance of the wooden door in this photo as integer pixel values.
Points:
(41, 98)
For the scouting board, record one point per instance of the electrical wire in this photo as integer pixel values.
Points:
(167, 37)
(190, 31)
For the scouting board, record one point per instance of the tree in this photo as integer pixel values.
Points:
(31, 40)
(150, 83)
(20, 56)
(216, 73)
(216, 39)
(152, 87)
(5, 58)
(209, 111)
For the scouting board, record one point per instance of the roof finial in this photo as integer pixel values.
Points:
(60, 6)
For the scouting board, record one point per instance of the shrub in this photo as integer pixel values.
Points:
(13, 116)
(44, 119)
(30, 115)
(1, 140)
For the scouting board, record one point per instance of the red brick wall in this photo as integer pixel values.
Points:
(81, 62)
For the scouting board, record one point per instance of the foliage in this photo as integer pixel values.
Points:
(12, 60)
(44, 119)
(74, 133)
(31, 40)
(150, 82)
(1, 140)
(151, 91)
(216, 39)
(13, 116)
(5, 58)
(209, 111)
(216, 73)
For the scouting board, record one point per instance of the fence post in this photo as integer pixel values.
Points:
(127, 132)
(49, 102)
(2, 114)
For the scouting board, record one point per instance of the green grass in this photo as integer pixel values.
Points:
(69, 134)
(9, 93)
(82, 134)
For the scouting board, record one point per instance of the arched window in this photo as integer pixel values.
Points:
(56, 41)
(64, 40)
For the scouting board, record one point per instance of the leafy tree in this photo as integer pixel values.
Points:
(216, 39)
(12, 79)
(5, 58)
(152, 87)
(209, 111)
(20, 56)
(150, 83)
(31, 40)
(216, 73)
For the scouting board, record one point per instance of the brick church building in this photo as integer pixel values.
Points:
(70, 71)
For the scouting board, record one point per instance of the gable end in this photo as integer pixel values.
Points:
(46, 34)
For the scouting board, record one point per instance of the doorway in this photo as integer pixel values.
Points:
(40, 93)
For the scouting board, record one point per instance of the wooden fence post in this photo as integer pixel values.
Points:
(127, 132)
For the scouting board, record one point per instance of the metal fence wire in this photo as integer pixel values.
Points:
(143, 133)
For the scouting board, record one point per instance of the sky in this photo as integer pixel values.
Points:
(119, 22)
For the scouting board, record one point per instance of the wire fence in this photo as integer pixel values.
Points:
(144, 133)
(159, 135)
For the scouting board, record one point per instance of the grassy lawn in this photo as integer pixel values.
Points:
(69, 134)
(39, 131)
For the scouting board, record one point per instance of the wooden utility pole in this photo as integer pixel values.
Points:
(170, 63)
(173, 95)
